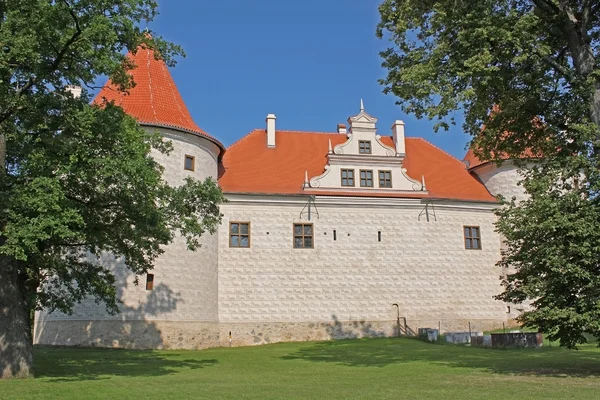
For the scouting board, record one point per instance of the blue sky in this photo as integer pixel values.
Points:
(309, 62)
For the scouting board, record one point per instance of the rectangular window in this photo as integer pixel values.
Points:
(364, 146)
(385, 179)
(347, 177)
(366, 178)
(472, 238)
(239, 234)
(149, 281)
(303, 236)
(189, 163)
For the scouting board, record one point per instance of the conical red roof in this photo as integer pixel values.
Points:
(155, 99)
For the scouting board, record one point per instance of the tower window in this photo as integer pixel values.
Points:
(303, 236)
(366, 178)
(347, 177)
(149, 281)
(364, 146)
(472, 238)
(189, 163)
(239, 234)
(385, 179)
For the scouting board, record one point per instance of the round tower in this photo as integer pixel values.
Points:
(176, 304)
(502, 180)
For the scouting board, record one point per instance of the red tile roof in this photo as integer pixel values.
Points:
(155, 99)
(250, 167)
(474, 161)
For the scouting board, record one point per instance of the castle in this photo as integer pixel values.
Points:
(325, 235)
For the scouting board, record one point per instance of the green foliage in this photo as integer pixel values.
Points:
(77, 180)
(527, 72)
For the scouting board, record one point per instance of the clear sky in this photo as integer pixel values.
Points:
(309, 62)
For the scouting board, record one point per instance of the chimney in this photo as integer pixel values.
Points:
(341, 128)
(398, 133)
(271, 130)
(74, 90)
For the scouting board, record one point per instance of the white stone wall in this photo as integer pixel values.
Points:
(502, 180)
(422, 266)
(185, 282)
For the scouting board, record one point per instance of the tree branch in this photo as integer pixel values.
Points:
(548, 6)
(561, 69)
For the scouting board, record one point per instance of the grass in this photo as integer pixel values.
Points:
(369, 368)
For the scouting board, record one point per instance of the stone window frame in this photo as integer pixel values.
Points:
(472, 235)
(347, 177)
(366, 179)
(192, 160)
(387, 181)
(364, 147)
(239, 234)
(149, 281)
(303, 235)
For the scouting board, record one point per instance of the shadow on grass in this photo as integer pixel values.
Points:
(556, 362)
(78, 364)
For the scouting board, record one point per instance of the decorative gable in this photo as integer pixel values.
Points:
(363, 162)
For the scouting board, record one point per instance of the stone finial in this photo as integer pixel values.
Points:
(362, 105)
(330, 148)
(306, 184)
(423, 187)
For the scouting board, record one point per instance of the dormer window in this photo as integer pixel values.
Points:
(366, 178)
(347, 177)
(364, 146)
(385, 179)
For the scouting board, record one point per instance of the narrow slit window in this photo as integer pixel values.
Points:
(149, 281)
(303, 236)
(385, 179)
(334, 235)
(472, 238)
(364, 147)
(366, 178)
(347, 177)
(379, 236)
(189, 163)
(239, 234)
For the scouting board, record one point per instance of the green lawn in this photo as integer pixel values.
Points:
(369, 368)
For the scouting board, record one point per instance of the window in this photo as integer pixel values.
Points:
(472, 238)
(239, 234)
(366, 178)
(303, 236)
(347, 177)
(364, 146)
(385, 179)
(149, 281)
(189, 162)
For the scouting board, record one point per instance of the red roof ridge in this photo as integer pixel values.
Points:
(245, 137)
(440, 149)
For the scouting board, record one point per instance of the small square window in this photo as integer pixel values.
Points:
(239, 234)
(385, 179)
(472, 238)
(347, 177)
(149, 281)
(364, 146)
(303, 236)
(189, 163)
(366, 178)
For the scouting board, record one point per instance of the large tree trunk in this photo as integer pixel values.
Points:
(16, 344)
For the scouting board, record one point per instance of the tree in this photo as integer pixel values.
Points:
(528, 71)
(78, 180)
